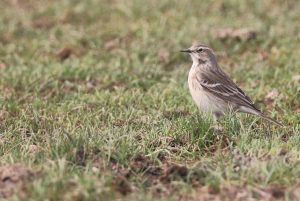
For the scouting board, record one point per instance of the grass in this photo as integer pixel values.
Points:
(94, 100)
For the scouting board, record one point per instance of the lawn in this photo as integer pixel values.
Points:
(94, 103)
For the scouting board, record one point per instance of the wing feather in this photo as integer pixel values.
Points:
(220, 85)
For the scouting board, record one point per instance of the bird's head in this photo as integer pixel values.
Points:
(200, 53)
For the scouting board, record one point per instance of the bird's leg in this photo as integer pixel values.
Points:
(216, 117)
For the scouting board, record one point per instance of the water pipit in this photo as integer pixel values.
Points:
(212, 90)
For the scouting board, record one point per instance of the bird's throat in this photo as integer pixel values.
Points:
(200, 61)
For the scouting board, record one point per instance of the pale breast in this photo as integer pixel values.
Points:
(205, 101)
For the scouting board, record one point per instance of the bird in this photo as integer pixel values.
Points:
(213, 91)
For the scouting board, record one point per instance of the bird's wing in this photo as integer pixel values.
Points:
(219, 84)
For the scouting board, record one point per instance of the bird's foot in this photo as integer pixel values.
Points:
(217, 126)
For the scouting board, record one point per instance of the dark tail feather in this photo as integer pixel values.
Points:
(270, 119)
(257, 112)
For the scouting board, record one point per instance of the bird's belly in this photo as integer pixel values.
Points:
(206, 102)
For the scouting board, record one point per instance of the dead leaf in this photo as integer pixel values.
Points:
(163, 55)
(263, 54)
(272, 95)
(294, 191)
(121, 184)
(13, 179)
(112, 44)
(33, 148)
(65, 53)
(296, 78)
(140, 164)
(22, 4)
(175, 172)
(43, 23)
(277, 192)
(3, 115)
(2, 65)
(236, 193)
(119, 122)
(236, 34)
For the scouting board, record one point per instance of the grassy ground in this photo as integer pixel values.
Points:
(94, 103)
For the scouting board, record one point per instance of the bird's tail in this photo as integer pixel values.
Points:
(270, 119)
(257, 112)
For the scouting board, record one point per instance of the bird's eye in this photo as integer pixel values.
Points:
(199, 50)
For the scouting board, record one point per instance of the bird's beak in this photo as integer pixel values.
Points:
(186, 50)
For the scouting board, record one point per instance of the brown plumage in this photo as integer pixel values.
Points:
(212, 90)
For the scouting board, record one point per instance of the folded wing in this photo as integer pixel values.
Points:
(220, 85)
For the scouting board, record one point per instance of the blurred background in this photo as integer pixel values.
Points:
(111, 42)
